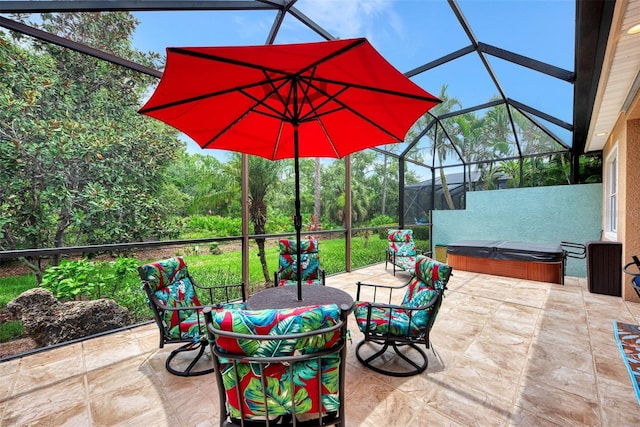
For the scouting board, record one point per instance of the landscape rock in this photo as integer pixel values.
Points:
(48, 321)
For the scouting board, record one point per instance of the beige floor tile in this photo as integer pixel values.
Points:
(485, 378)
(563, 378)
(556, 405)
(63, 400)
(128, 403)
(7, 383)
(33, 376)
(561, 355)
(510, 353)
(468, 406)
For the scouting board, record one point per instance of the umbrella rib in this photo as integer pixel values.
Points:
(377, 89)
(218, 58)
(201, 55)
(205, 96)
(315, 115)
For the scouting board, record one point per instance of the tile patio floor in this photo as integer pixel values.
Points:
(512, 352)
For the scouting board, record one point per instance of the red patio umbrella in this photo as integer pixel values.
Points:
(322, 99)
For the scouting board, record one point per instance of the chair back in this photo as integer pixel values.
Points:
(310, 259)
(279, 365)
(401, 242)
(430, 279)
(168, 283)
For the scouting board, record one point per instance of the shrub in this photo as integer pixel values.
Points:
(83, 279)
(10, 330)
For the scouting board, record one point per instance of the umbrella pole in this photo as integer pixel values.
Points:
(297, 220)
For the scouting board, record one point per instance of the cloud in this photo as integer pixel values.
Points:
(350, 18)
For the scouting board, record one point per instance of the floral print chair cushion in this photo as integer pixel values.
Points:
(171, 284)
(430, 275)
(312, 274)
(401, 251)
(307, 375)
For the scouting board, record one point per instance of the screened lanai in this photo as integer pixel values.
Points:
(517, 93)
(490, 66)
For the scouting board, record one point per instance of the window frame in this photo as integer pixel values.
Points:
(611, 195)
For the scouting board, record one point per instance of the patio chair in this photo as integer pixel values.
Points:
(401, 252)
(171, 294)
(279, 367)
(401, 327)
(312, 273)
(635, 272)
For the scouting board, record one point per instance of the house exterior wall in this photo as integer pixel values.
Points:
(625, 137)
(553, 214)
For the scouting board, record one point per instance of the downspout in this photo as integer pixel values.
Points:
(245, 223)
(401, 192)
(348, 216)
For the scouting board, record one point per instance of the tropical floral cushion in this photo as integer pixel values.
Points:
(169, 279)
(429, 276)
(407, 263)
(401, 243)
(306, 375)
(304, 282)
(310, 262)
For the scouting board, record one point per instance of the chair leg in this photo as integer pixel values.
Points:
(198, 346)
(417, 367)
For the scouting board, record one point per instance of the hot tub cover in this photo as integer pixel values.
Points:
(507, 250)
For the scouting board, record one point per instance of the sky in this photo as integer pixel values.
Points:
(408, 33)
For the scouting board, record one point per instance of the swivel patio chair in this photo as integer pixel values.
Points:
(401, 327)
(279, 367)
(171, 294)
(287, 273)
(401, 252)
(633, 269)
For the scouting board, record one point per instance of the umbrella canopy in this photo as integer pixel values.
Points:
(322, 99)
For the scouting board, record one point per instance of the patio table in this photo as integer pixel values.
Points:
(287, 297)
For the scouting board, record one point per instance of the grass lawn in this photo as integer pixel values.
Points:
(225, 268)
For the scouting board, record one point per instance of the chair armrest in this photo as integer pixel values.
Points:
(389, 288)
(223, 293)
(403, 307)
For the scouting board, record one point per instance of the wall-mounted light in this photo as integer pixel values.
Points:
(602, 134)
(634, 29)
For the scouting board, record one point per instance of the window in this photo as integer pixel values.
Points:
(611, 201)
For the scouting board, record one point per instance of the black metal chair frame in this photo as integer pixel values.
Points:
(189, 344)
(636, 274)
(395, 342)
(337, 419)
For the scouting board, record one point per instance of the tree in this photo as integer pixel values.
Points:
(441, 145)
(78, 164)
(264, 174)
(206, 184)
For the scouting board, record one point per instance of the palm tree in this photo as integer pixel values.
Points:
(263, 175)
(443, 148)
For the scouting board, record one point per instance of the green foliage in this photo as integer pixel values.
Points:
(83, 279)
(11, 287)
(591, 169)
(78, 165)
(420, 233)
(10, 330)
(213, 226)
(385, 220)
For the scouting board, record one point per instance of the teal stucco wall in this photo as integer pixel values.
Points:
(571, 213)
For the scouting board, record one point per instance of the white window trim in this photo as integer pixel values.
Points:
(611, 195)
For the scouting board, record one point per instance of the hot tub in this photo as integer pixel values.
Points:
(531, 261)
